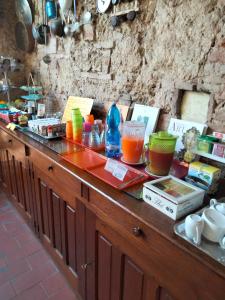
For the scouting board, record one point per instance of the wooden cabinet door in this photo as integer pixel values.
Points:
(57, 222)
(119, 277)
(5, 170)
(30, 196)
(86, 254)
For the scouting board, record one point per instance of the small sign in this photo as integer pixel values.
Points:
(84, 104)
(110, 165)
(120, 172)
(11, 126)
(116, 169)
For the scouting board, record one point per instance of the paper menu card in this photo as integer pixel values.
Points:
(187, 133)
(84, 104)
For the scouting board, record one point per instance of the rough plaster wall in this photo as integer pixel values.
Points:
(8, 47)
(173, 44)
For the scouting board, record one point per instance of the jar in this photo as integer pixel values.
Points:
(161, 151)
(23, 120)
(50, 131)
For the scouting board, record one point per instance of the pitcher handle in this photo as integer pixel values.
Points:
(197, 238)
(145, 154)
(222, 242)
(213, 202)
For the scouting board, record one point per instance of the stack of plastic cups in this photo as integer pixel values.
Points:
(77, 123)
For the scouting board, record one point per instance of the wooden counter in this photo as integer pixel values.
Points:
(109, 245)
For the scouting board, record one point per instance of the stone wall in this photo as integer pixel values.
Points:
(8, 46)
(172, 45)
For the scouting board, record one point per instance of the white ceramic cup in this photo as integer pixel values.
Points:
(214, 225)
(193, 228)
(220, 207)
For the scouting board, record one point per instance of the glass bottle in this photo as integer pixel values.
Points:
(112, 138)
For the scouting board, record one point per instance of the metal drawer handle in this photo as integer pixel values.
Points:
(50, 168)
(84, 266)
(137, 231)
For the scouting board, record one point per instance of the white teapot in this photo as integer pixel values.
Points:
(220, 207)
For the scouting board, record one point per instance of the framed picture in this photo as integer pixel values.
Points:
(187, 133)
(147, 114)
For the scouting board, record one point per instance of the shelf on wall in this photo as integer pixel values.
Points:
(210, 156)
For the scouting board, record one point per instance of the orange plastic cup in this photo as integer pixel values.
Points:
(69, 130)
(77, 135)
(90, 119)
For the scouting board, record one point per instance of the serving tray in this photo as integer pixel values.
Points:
(94, 163)
(212, 249)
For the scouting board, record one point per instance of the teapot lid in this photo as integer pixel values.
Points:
(163, 135)
(220, 207)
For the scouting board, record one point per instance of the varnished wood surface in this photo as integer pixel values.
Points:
(139, 210)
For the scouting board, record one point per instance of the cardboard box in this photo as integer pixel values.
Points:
(219, 150)
(219, 135)
(172, 196)
(206, 174)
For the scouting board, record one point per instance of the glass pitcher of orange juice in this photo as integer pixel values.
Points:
(161, 150)
(132, 142)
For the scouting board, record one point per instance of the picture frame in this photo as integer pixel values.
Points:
(147, 114)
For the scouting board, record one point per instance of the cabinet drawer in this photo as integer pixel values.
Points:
(63, 183)
(14, 146)
(127, 224)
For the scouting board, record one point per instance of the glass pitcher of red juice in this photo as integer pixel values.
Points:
(161, 150)
(132, 141)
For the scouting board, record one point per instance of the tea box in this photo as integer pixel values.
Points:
(172, 196)
(205, 143)
(204, 175)
(219, 150)
(219, 135)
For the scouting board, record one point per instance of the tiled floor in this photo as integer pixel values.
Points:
(26, 270)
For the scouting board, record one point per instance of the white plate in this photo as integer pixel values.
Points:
(141, 162)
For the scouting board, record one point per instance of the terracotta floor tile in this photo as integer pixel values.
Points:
(27, 272)
(24, 238)
(6, 291)
(12, 270)
(64, 294)
(28, 279)
(54, 283)
(31, 247)
(38, 258)
(36, 292)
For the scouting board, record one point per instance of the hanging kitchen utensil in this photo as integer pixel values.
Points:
(103, 5)
(85, 19)
(40, 31)
(75, 26)
(23, 11)
(50, 9)
(23, 36)
(65, 5)
(38, 34)
(56, 27)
